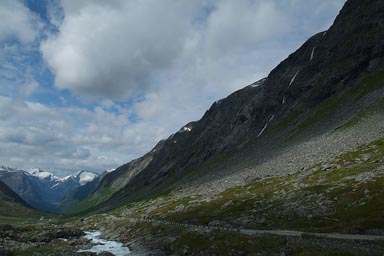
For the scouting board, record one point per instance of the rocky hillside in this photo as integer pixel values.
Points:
(331, 82)
(42, 189)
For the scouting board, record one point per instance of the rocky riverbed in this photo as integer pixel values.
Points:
(47, 239)
(101, 245)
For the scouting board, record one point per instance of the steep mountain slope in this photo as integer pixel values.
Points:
(328, 84)
(73, 198)
(42, 189)
(7, 195)
(11, 204)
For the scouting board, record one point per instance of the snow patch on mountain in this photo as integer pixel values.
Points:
(44, 175)
(82, 177)
(312, 54)
(293, 78)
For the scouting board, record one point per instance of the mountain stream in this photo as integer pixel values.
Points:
(102, 245)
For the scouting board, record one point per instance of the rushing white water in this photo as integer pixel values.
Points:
(102, 245)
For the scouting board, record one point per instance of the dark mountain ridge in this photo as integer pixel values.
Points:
(7, 194)
(327, 82)
(12, 206)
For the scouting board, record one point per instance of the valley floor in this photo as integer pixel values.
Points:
(164, 238)
(40, 239)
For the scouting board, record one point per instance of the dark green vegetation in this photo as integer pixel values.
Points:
(83, 206)
(179, 241)
(13, 209)
(165, 239)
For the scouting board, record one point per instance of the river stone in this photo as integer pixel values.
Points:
(105, 254)
(5, 251)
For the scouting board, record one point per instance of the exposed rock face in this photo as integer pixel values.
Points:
(325, 83)
(42, 240)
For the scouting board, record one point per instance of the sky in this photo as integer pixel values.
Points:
(93, 84)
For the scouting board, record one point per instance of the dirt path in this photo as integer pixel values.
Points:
(293, 233)
(321, 235)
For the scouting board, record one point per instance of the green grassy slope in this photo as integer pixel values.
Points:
(343, 195)
(13, 209)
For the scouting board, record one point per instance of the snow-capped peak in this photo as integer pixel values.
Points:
(7, 169)
(42, 175)
(80, 177)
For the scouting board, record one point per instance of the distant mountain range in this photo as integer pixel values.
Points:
(41, 189)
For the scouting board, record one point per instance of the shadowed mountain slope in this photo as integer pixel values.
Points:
(13, 207)
(326, 85)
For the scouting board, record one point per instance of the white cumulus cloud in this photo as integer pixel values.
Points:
(17, 22)
(67, 139)
(114, 48)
